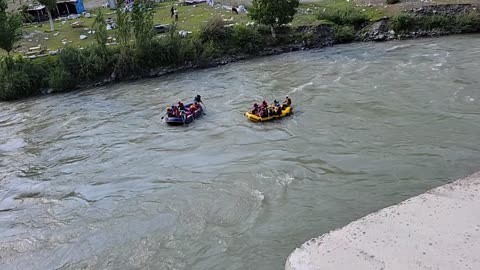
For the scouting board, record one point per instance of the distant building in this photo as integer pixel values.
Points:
(38, 13)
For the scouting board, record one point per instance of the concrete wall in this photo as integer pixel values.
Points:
(439, 229)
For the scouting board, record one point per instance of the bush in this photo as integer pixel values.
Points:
(86, 64)
(391, 2)
(403, 23)
(433, 22)
(344, 16)
(308, 37)
(462, 23)
(214, 30)
(126, 63)
(20, 78)
(344, 34)
(211, 50)
(467, 23)
(61, 80)
(247, 39)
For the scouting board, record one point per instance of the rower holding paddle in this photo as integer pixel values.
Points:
(198, 99)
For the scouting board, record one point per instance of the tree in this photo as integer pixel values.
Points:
(10, 27)
(101, 35)
(142, 19)
(273, 12)
(124, 31)
(50, 5)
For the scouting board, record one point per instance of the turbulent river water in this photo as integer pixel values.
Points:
(95, 179)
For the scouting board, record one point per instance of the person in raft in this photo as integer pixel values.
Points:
(255, 109)
(277, 108)
(287, 102)
(173, 111)
(198, 99)
(181, 106)
(195, 106)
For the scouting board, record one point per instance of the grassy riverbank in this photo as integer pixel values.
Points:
(190, 19)
(217, 37)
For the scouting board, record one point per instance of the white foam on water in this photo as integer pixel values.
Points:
(258, 195)
(286, 180)
(301, 87)
(397, 47)
(362, 68)
(263, 176)
(469, 99)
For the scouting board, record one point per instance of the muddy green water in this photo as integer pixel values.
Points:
(95, 180)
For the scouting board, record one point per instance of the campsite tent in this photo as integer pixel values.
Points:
(63, 8)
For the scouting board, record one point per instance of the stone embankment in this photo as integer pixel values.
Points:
(439, 229)
(381, 30)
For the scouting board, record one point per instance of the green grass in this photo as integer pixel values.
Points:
(373, 13)
(63, 33)
(190, 19)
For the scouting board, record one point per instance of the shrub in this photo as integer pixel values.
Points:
(344, 16)
(211, 50)
(214, 30)
(344, 34)
(467, 23)
(191, 49)
(403, 23)
(20, 78)
(86, 64)
(61, 80)
(247, 39)
(126, 63)
(308, 37)
(435, 22)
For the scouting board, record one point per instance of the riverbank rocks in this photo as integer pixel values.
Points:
(379, 31)
(449, 10)
(316, 36)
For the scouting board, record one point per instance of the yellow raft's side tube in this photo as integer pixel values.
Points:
(254, 118)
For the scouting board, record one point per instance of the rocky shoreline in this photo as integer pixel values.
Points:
(322, 36)
(380, 30)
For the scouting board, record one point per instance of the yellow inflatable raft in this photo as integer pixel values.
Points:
(254, 118)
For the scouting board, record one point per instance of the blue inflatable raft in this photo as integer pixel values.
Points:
(186, 116)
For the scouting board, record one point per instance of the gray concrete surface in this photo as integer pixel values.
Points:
(439, 229)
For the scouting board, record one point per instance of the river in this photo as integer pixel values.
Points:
(94, 180)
